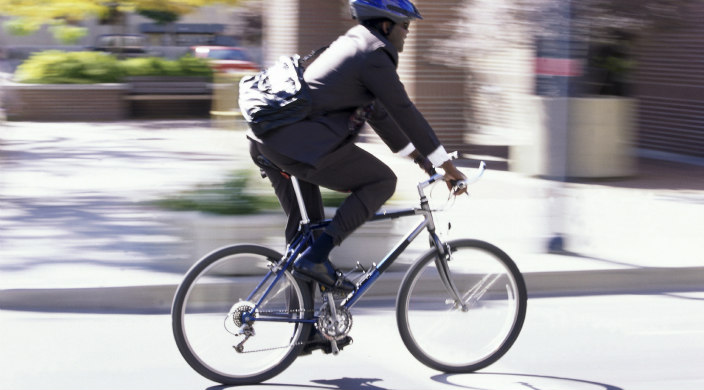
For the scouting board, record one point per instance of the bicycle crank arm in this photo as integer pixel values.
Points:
(333, 312)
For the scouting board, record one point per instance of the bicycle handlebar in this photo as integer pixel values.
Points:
(477, 176)
(456, 184)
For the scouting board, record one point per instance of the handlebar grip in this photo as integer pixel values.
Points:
(459, 184)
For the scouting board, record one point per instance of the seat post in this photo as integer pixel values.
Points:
(299, 198)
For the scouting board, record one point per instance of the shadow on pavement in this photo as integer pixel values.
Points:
(101, 230)
(333, 384)
(501, 381)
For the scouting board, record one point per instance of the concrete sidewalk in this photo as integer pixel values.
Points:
(75, 234)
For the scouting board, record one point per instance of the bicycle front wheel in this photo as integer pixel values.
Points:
(207, 316)
(466, 334)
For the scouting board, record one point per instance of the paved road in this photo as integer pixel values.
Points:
(611, 342)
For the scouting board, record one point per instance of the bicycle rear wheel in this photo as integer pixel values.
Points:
(471, 335)
(207, 316)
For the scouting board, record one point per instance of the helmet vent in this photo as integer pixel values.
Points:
(400, 10)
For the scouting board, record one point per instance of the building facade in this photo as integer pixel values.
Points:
(669, 85)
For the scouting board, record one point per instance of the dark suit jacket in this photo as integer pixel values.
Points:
(357, 69)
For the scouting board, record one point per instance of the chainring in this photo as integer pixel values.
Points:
(334, 328)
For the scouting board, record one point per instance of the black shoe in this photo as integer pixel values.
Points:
(317, 341)
(323, 273)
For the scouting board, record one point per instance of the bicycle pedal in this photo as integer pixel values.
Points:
(357, 268)
(317, 341)
(336, 293)
(340, 344)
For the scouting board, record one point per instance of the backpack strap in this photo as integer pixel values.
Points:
(313, 53)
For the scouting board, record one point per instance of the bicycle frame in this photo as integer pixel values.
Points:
(305, 236)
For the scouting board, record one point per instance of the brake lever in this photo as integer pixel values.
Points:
(458, 185)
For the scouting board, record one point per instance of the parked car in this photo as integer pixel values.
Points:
(128, 45)
(226, 58)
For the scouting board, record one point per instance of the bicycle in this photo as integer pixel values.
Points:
(240, 316)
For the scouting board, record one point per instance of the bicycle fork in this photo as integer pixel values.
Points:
(444, 254)
(461, 301)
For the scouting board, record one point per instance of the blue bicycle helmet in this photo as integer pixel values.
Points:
(399, 11)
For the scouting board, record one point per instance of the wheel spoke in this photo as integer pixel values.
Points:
(477, 291)
(473, 329)
(261, 336)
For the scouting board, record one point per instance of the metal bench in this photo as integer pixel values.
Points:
(169, 88)
(169, 96)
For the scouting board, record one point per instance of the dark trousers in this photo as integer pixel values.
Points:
(348, 169)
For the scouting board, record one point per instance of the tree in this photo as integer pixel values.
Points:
(27, 16)
(486, 25)
(603, 30)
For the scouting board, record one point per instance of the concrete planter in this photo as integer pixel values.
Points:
(208, 232)
(588, 137)
(205, 233)
(371, 242)
(225, 110)
(139, 97)
(65, 102)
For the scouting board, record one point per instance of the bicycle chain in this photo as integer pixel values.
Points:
(240, 347)
(275, 348)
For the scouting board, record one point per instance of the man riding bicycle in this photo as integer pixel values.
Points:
(354, 80)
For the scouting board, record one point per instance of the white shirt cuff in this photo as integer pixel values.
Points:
(407, 150)
(438, 156)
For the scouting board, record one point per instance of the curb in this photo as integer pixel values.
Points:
(156, 299)
(615, 281)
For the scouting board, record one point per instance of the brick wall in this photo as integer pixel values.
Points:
(300, 26)
(669, 84)
(34, 102)
(438, 90)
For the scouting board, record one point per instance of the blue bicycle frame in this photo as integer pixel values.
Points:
(305, 237)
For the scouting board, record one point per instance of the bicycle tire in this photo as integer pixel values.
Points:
(204, 325)
(455, 340)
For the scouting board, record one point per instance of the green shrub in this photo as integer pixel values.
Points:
(333, 198)
(232, 197)
(57, 67)
(68, 35)
(149, 66)
(21, 27)
(195, 66)
(237, 195)
(155, 66)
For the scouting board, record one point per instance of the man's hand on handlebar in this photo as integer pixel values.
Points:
(452, 176)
